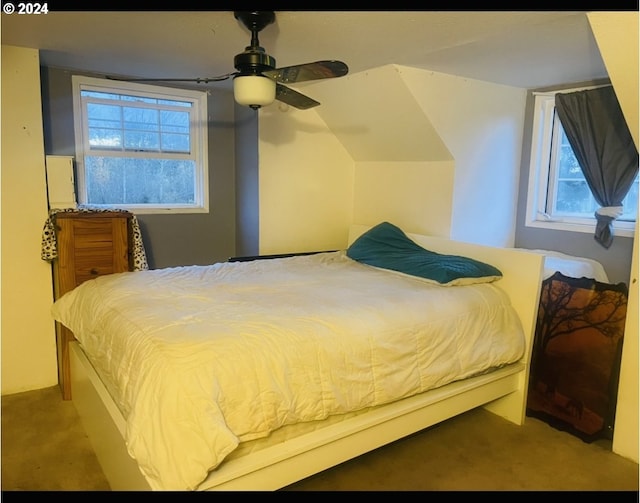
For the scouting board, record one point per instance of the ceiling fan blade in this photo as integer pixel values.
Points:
(294, 98)
(199, 80)
(327, 69)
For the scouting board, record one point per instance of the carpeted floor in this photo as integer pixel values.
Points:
(44, 447)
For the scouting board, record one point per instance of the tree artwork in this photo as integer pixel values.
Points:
(576, 354)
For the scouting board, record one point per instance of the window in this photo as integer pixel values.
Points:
(559, 197)
(140, 147)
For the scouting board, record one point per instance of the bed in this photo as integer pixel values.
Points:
(328, 367)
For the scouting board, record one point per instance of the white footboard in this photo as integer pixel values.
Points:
(276, 466)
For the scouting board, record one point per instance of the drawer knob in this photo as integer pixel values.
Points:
(93, 271)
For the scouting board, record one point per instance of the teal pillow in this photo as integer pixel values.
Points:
(388, 247)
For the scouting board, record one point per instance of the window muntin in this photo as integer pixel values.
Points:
(559, 197)
(140, 147)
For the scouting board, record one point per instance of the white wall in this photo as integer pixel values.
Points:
(403, 170)
(482, 125)
(418, 140)
(377, 117)
(613, 31)
(28, 333)
(305, 183)
(416, 196)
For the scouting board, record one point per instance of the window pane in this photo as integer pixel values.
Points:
(104, 126)
(177, 122)
(141, 141)
(174, 103)
(573, 194)
(100, 95)
(142, 99)
(139, 181)
(175, 143)
(569, 166)
(141, 129)
(574, 197)
(140, 118)
(175, 128)
(105, 138)
(630, 203)
(103, 115)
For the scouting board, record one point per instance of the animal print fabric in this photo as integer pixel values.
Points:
(50, 246)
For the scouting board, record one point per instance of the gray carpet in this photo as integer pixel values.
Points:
(44, 447)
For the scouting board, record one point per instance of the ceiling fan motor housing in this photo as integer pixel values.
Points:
(253, 61)
(250, 86)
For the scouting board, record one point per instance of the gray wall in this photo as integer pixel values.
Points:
(616, 260)
(247, 183)
(172, 239)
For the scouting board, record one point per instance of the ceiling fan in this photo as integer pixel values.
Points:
(257, 82)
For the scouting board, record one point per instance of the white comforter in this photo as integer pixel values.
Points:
(201, 358)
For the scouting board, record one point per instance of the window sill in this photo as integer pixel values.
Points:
(625, 230)
(138, 210)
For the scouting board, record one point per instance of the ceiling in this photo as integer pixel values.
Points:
(528, 49)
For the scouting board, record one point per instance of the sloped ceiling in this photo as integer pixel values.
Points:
(378, 118)
(613, 31)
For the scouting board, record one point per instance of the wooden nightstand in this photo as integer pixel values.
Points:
(89, 245)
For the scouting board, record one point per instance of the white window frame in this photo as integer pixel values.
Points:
(198, 135)
(539, 174)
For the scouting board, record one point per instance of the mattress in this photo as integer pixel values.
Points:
(203, 358)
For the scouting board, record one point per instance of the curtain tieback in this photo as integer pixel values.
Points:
(609, 211)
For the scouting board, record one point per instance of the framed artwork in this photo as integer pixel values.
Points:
(575, 364)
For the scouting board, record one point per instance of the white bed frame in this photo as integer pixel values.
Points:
(503, 392)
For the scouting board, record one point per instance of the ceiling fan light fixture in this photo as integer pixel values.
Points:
(254, 91)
